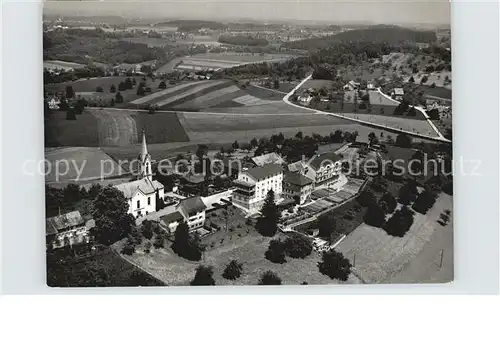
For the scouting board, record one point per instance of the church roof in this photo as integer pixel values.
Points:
(144, 185)
(144, 148)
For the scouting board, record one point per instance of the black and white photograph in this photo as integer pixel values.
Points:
(248, 143)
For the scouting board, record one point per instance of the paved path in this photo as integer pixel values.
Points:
(379, 126)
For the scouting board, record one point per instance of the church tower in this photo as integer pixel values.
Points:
(145, 160)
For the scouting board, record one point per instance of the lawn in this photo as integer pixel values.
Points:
(83, 131)
(114, 271)
(410, 259)
(243, 244)
(264, 94)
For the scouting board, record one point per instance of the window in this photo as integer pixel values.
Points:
(138, 203)
(149, 200)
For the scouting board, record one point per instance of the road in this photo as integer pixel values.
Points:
(441, 138)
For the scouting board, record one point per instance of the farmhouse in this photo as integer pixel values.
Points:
(253, 184)
(141, 194)
(304, 99)
(297, 187)
(67, 229)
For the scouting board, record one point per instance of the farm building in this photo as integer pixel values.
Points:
(67, 229)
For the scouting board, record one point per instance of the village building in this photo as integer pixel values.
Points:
(193, 211)
(67, 229)
(297, 187)
(325, 169)
(141, 194)
(351, 85)
(304, 99)
(270, 158)
(398, 94)
(253, 184)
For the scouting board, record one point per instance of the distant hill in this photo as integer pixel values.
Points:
(374, 34)
(191, 25)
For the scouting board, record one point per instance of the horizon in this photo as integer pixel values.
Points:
(402, 12)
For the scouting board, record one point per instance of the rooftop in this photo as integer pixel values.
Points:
(328, 157)
(265, 171)
(297, 179)
(54, 225)
(268, 158)
(144, 185)
(172, 217)
(193, 205)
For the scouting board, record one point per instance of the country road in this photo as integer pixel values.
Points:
(441, 138)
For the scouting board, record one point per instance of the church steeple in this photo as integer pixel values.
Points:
(145, 159)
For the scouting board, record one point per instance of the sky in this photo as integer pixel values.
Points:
(334, 11)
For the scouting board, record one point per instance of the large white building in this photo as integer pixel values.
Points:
(141, 194)
(253, 184)
(325, 170)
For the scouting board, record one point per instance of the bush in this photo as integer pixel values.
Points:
(269, 278)
(399, 223)
(335, 265)
(408, 193)
(388, 203)
(374, 216)
(162, 85)
(276, 252)
(99, 89)
(233, 270)
(424, 202)
(298, 246)
(203, 276)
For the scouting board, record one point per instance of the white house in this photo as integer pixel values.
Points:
(297, 187)
(141, 193)
(67, 229)
(305, 99)
(193, 210)
(325, 169)
(253, 184)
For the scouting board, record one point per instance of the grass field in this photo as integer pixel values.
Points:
(111, 127)
(243, 244)
(83, 163)
(380, 257)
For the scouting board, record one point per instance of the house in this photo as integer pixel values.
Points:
(398, 94)
(305, 99)
(193, 210)
(253, 184)
(297, 187)
(54, 104)
(171, 221)
(269, 158)
(325, 169)
(370, 86)
(352, 85)
(67, 229)
(141, 194)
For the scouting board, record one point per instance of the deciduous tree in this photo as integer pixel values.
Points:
(335, 265)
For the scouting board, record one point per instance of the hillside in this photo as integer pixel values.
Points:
(191, 25)
(376, 34)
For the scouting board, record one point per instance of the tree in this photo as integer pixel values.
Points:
(269, 278)
(254, 142)
(388, 203)
(203, 276)
(152, 109)
(407, 193)
(187, 245)
(122, 86)
(326, 226)
(129, 247)
(128, 83)
(99, 89)
(411, 80)
(335, 265)
(276, 251)
(374, 216)
(267, 224)
(118, 98)
(159, 241)
(233, 270)
(366, 198)
(147, 230)
(298, 246)
(236, 145)
(372, 138)
(112, 222)
(69, 92)
(162, 85)
(80, 106)
(400, 222)
(141, 91)
(424, 202)
(70, 114)
(112, 89)
(403, 140)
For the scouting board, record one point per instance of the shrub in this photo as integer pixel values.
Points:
(298, 246)
(276, 251)
(374, 216)
(203, 276)
(399, 223)
(233, 270)
(424, 202)
(335, 265)
(269, 278)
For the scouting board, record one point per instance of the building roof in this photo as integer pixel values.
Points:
(54, 225)
(399, 91)
(194, 178)
(193, 205)
(271, 157)
(172, 217)
(297, 179)
(144, 185)
(265, 171)
(324, 158)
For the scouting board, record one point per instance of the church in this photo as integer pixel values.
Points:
(142, 193)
